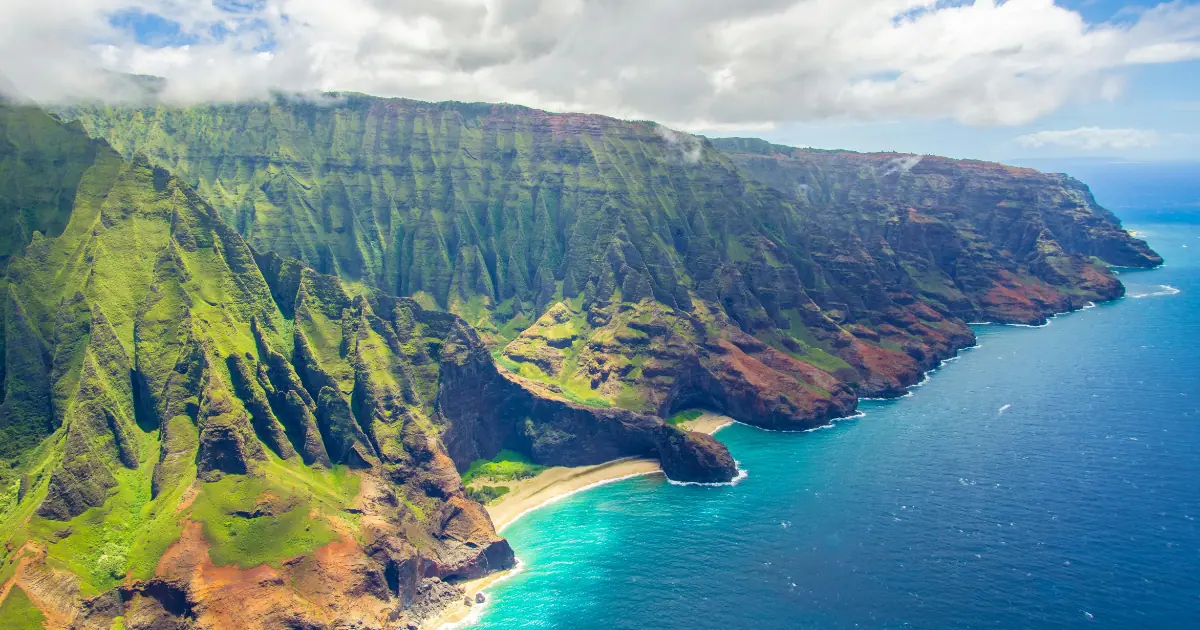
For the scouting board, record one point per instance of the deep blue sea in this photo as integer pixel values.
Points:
(1049, 478)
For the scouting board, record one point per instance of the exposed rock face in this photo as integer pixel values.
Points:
(975, 239)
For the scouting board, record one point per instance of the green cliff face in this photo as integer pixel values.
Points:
(41, 163)
(178, 408)
(618, 261)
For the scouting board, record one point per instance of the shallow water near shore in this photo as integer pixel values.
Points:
(1047, 478)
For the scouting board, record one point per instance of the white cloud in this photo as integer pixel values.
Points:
(1169, 52)
(1090, 139)
(689, 146)
(694, 63)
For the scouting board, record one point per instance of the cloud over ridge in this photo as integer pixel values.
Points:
(700, 63)
(1090, 139)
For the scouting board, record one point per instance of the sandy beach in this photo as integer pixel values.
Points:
(549, 486)
(708, 422)
(559, 482)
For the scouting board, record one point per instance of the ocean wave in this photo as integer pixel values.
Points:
(925, 376)
(1042, 325)
(742, 474)
(855, 416)
(1166, 289)
(714, 431)
(906, 394)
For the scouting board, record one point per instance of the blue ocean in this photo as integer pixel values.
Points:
(1049, 478)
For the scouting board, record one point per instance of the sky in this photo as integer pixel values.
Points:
(987, 79)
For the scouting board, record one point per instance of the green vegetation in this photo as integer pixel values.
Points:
(18, 613)
(487, 494)
(798, 341)
(686, 415)
(126, 535)
(505, 466)
(141, 319)
(589, 266)
(590, 400)
(251, 521)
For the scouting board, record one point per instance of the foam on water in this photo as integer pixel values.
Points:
(1165, 289)
(741, 474)
(829, 425)
(723, 426)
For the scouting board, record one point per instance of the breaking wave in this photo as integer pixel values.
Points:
(742, 474)
(1164, 289)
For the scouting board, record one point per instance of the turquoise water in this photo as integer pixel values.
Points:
(1075, 505)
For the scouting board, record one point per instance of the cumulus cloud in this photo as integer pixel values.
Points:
(1090, 139)
(691, 64)
(690, 147)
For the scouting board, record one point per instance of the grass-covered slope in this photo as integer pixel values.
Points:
(622, 264)
(41, 163)
(493, 212)
(196, 434)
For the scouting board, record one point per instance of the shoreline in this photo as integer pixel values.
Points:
(550, 486)
(709, 422)
(559, 482)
